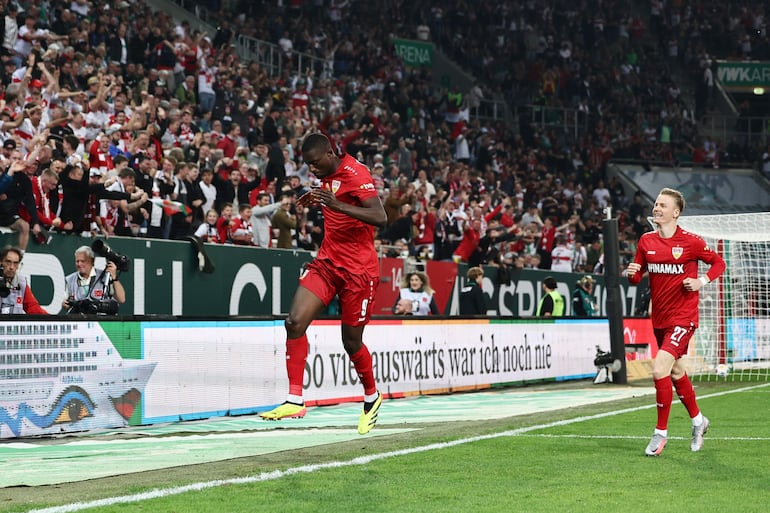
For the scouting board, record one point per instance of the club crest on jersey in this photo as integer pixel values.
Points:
(676, 252)
(336, 186)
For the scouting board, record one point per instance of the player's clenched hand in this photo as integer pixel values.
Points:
(306, 200)
(633, 268)
(317, 196)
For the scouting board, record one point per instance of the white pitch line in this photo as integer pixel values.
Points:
(361, 460)
(630, 437)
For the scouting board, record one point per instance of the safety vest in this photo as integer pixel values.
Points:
(94, 290)
(14, 302)
(558, 304)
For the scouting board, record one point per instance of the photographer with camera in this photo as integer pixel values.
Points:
(91, 290)
(16, 297)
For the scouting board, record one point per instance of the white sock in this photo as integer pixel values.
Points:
(697, 420)
(296, 399)
(662, 432)
(371, 398)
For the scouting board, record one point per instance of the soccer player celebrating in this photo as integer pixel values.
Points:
(346, 266)
(670, 256)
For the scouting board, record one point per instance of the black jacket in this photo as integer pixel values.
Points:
(75, 195)
(18, 192)
(472, 300)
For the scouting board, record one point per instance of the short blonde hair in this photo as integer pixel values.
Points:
(474, 273)
(678, 197)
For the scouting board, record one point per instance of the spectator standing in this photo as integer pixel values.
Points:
(11, 31)
(593, 254)
(472, 301)
(234, 190)
(207, 231)
(207, 80)
(561, 256)
(241, 230)
(224, 224)
(270, 133)
(602, 195)
(552, 303)
(208, 189)
(185, 193)
(261, 220)
(42, 185)
(469, 243)
(545, 245)
(81, 191)
(424, 232)
(18, 192)
(285, 221)
(126, 182)
(579, 257)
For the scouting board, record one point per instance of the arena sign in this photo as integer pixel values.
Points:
(743, 76)
(418, 54)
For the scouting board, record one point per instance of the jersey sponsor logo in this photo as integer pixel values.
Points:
(651, 252)
(665, 268)
(676, 252)
(336, 186)
(366, 186)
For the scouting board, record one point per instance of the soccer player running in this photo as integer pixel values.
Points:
(670, 256)
(346, 266)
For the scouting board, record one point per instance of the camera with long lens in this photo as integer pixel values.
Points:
(103, 250)
(92, 306)
(4, 288)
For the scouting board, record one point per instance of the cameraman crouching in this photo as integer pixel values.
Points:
(91, 290)
(15, 295)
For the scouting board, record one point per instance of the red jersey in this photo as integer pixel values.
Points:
(349, 243)
(42, 204)
(223, 230)
(668, 262)
(99, 160)
(548, 236)
(426, 228)
(299, 98)
(240, 227)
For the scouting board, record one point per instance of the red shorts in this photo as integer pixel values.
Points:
(355, 290)
(674, 340)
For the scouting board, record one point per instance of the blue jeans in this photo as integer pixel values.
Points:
(207, 101)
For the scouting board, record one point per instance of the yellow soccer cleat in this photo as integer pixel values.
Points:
(369, 417)
(285, 411)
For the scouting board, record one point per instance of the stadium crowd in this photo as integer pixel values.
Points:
(117, 120)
